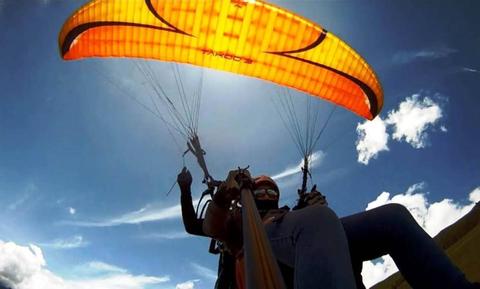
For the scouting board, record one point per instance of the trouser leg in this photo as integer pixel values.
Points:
(313, 242)
(391, 229)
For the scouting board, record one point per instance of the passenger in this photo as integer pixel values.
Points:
(315, 248)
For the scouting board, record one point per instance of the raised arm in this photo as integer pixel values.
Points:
(192, 224)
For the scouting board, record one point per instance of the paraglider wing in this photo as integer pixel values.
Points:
(246, 37)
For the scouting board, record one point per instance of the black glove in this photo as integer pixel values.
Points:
(315, 197)
(184, 179)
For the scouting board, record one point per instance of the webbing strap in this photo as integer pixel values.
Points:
(261, 267)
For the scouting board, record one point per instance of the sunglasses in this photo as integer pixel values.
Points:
(263, 192)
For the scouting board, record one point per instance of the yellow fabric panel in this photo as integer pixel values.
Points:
(247, 37)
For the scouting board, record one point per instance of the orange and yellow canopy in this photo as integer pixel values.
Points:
(247, 37)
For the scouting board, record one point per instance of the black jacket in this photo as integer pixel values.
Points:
(193, 225)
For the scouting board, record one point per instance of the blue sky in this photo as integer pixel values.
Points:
(84, 170)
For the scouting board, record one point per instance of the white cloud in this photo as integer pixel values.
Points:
(149, 213)
(71, 243)
(25, 268)
(204, 271)
(18, 263)
(372, 139)
(468, 69)
(95, 269)
(405, 57)
(29, 190)
(167, 235)
(409, 123)
(187, 285)
(416, 203)
(475, 195)
(314, 160)
(433, 217)
(290, 176)
(118, 281)
(72, 211)
(412, 119)
(101, 267)
(374, 272)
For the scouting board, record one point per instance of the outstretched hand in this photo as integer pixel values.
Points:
(184, 179)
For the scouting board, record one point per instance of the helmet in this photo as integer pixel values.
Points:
(266, 193)
(266, 181)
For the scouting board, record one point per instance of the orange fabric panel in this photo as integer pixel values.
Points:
(240, 272)
(247, 37)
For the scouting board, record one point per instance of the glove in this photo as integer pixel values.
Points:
(230, 189)
(184, 179)
(315, 197)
